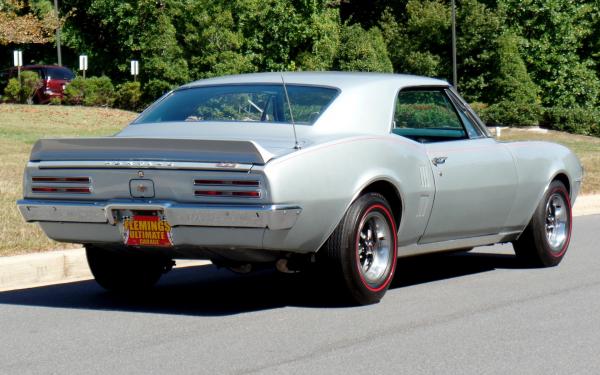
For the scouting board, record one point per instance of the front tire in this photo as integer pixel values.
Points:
(546, 239)
(361, 253)
(125, 272)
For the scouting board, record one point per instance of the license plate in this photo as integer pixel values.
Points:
(147, 230)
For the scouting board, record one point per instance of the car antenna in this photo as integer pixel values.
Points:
(287, 98)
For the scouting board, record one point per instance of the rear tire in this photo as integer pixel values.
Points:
(361, 253)
(546, 239)
(125, 272)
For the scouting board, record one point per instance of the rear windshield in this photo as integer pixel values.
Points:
(59, 73)
(242, 103)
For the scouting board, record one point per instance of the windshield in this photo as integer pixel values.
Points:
(242, 103)
(59, 73)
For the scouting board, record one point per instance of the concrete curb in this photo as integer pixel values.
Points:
(65, 266)
(587, 205)
(54, 267)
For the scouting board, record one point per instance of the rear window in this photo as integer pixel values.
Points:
(242, 103)
(59, 73)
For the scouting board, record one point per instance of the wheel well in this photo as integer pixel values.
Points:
(564, 179)
(390, 193)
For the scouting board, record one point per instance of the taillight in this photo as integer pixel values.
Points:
(60, 185)
(238, 188)
(227, 182)
(44, 189)
(250, 194)
(208, 193)
(77, 180)
(221, 193)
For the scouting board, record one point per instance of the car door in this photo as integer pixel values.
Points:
(475, 176)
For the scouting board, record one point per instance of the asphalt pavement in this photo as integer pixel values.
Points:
(475, 313)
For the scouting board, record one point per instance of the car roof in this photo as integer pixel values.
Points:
(38, 66)
(342, 80)
(44, 66)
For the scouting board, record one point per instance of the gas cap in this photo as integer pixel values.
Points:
(141, 188)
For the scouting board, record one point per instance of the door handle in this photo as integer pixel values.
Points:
(439, 160)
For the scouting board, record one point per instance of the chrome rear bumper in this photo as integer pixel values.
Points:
(274, 217)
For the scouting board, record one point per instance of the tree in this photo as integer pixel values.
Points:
(22, 23)
(554, 31)
(420, 43)
(362, 50)
(125, 30)
(511, 81)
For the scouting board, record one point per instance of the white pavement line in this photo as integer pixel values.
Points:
(53, 267)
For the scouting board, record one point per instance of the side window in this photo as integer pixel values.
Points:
(427, 116)
(466, 115)
(471, 129)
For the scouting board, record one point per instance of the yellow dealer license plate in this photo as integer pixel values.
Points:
(147, 230)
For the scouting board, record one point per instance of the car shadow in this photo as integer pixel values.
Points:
(208, 291)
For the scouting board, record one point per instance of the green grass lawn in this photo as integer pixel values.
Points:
(22, 125)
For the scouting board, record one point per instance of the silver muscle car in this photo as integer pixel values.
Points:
(350, 171)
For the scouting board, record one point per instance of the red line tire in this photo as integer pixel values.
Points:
(546, 239)
(361, 253)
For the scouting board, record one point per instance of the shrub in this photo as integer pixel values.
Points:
(155, 88)
(479, 107)
(30, 83)
(100, 92)
(55, 101)
(508, 113)
(22, 91)
(75, 91)
(12, 91)
(573, 120)
(512, 82)
(93, 91)
(128, 96)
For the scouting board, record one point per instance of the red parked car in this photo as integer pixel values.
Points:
(53, 80)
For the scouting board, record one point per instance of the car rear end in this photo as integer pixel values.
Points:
(55, 80)
(187, 178)
(189, 203)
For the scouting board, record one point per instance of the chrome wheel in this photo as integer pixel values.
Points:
(557, 222)
(374, 247)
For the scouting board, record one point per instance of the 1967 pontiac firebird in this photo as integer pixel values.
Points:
(350, 171)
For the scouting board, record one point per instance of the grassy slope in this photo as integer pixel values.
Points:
(21, 126)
